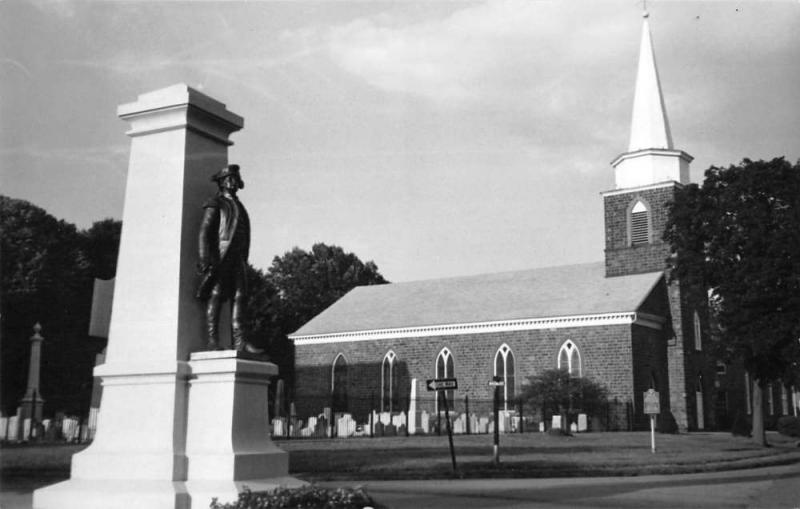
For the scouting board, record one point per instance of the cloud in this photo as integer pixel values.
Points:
(479, 51)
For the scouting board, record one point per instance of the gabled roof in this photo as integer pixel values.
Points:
(573, 290)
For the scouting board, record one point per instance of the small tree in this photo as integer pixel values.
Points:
(556, 392)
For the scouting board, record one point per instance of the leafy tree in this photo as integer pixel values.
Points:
(45, 278)
(556, 392)
(737, 237)
(102, 247)
(297, 287)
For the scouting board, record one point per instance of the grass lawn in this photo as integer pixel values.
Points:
(525, 455)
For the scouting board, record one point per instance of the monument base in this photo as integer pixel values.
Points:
(227, 444)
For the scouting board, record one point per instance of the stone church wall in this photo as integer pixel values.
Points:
(605, 352)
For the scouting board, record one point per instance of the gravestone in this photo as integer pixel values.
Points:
(188, 446)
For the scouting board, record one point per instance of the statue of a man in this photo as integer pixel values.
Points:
(224, 247)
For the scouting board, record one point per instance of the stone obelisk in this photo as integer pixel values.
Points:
(175, 427)
(31, 403)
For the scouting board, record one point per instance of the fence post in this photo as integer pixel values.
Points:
(466, 411)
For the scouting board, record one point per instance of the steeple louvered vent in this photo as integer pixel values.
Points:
(640, 225)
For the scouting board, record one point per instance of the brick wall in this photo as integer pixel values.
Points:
(605, 351)
(621, 257)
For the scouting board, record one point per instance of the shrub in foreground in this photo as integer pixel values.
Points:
(789, 426)
(309, 497)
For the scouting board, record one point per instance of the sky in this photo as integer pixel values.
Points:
(436, 138)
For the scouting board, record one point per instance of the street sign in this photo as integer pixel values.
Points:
(651, 403)
(496, 383)
(441, 384)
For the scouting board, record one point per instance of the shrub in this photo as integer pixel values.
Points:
(666, 423)
(741, 426)
(789, 426)
(305, 497)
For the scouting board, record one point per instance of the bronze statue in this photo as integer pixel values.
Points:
(224, 247)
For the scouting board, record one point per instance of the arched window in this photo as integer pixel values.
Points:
(339, 384)
(569, 358)
(639, 224)
(445, 368)
(388, 382)
(504, 367)
(698, 333)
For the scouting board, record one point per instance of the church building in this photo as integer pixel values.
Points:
(620, 321)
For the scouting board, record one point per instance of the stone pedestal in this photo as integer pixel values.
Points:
(179, 139)
(228, 446)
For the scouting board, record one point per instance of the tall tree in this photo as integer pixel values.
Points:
(298, 286)
(45, 279)
(102, 247)
(737, 237)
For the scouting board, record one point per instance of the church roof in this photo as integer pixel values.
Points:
(572, 290)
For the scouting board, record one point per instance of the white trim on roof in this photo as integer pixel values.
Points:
(648, 187)
(560, 322)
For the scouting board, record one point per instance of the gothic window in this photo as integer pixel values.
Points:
(445, 368)
(639, 224)
(770, 400)
(569, 358)
(504, 367)
(748, 401)
(388, 382)
(339, 384)
(698, 333)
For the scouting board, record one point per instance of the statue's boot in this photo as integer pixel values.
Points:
(242, 345)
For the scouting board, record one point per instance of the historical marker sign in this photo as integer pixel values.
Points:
(652, 404)
(441, 384)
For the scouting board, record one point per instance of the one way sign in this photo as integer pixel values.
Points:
(440, 384)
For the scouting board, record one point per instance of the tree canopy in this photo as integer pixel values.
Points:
(298, 286)
(47, 270)
(736, 238)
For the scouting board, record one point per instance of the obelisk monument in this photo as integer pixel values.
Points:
(176, 425)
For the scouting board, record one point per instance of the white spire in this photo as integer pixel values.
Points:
(651, 157)
(649, 125)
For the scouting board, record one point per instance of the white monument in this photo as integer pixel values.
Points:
(206, 434)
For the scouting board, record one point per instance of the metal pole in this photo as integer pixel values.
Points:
(496, 425)
(449, 433)
(653, 433)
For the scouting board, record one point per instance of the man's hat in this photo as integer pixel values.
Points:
(231, 169)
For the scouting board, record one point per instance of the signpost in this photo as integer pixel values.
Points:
(445, 384)
(497, 382)
(652, 407)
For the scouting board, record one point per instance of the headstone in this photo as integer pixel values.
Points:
(345, 426)
(582, 423)
(425, 422)
(413, 422)
(541, 427)
(13, 428)
(483, 425)
(573, 427)
(556, 422)
(3, 427)
(26, 429)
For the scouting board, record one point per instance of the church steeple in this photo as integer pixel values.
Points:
(651, 157)
(649, 124)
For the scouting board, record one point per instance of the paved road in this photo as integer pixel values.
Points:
(763, 488)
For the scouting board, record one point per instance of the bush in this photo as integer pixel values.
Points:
(789, 426)
(305, 497)
(741, 426)
(666, 423)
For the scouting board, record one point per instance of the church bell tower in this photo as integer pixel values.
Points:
(646, 176)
